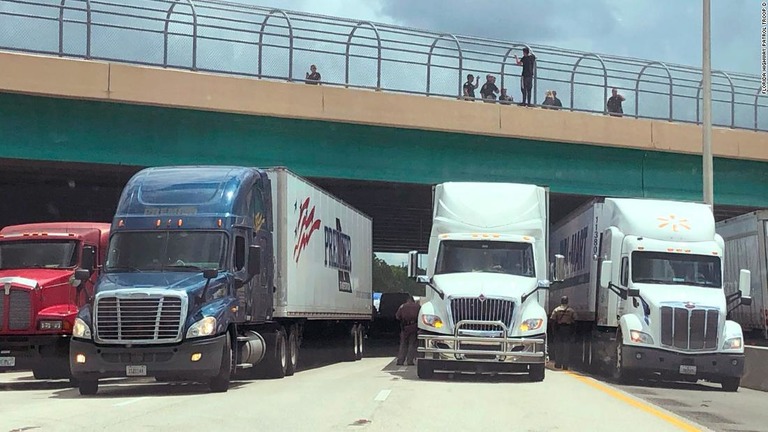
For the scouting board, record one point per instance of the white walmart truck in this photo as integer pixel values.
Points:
(646, 280)
(486, 263)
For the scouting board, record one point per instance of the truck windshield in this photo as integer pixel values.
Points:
(671, 268)
(460, 256)
(166, 251)
(38, 254)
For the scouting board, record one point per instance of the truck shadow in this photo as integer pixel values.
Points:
(29, 383)
(131, 388)
(409, 373)
(649, 383)
(317, 356)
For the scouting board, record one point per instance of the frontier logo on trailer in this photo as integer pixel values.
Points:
(306, 225)
(338, 254)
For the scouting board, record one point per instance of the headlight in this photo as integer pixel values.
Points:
(640, 337)
(733, 343)
(50, 325)
(432, 320)
(81, 329)
(531, 324)
(204, 327)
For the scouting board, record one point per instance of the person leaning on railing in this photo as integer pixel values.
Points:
(314, 77)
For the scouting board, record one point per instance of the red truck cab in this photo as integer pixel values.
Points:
(47, 272)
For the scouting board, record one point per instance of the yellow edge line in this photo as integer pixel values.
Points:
(635, 403)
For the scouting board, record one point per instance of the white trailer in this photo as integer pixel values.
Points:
(487, 261)
(746, 243)
(645, 277)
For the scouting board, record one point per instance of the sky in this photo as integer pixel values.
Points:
(664, 30)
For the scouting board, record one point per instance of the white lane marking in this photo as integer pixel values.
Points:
(128, 402)
(382, 396)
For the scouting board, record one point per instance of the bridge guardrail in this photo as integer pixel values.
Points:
(224, 37)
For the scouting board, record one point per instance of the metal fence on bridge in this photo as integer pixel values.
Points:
(224, 37)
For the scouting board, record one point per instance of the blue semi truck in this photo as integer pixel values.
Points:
(212, 270)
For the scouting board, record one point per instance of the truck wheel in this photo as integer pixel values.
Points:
(731, 384)
(220, 383)
(424, 370)
(293, 350)
(360, 341)
(276, 362)
(536, 372)
(89, 387)
(621, 375)
(42, 373)
(349, 345)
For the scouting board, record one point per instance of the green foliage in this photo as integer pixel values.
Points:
(387, 278)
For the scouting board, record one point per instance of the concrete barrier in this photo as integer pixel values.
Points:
(755, 368)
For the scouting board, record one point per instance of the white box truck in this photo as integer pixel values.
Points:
(746, 243)
(645, 278)
(212, 269)
(486, 263)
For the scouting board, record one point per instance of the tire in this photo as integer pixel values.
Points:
(424, 370)
(731, 384)
(292, 351)
(360, 342)
(42, 373)
(276, 362)
(89, 387)
(621, 375)
(220, 383)
(349, 345)
(536, 372)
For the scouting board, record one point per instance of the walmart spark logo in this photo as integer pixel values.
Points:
(674, 222)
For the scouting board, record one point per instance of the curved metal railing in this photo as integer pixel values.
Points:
(225, 37)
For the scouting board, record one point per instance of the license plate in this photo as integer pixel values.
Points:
(7, 361)
(687, 370)
(132, 371)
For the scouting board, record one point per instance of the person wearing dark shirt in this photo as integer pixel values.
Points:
(526, 77)
(505, 98)
(489, 89)
(408, 314)
(469, 87)
(614, 104)
(549, 100)
(314, 77)
(557, 104)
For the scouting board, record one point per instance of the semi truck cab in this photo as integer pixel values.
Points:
(47, 272)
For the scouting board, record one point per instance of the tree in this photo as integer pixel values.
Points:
(387, 278)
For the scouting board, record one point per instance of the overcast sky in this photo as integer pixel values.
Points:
(666, 30)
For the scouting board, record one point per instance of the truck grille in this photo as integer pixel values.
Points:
(689, 329)
(152, 319)
(19, 310)
(489, 309)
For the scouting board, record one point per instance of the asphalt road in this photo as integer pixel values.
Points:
(376, 395)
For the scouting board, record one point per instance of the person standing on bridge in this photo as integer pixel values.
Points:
(314, 77)
(614, 103)
(470, 87)
(526, 77)
(563, 320)
(408, 314)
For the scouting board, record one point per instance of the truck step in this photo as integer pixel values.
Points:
(244, 366)
(243, 338)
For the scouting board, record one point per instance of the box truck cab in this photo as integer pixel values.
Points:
(486, 263)
(214, 269)
(660, 304)
(47, 272)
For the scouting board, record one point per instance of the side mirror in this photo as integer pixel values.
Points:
(413, 264)
(606, 269)
(254, 260)
(559, 275)
(82, 274)
(88, 260)
(745, 287)
(210, 273)
(634, 292)
(422, 279)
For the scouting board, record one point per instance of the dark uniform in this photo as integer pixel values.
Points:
(407, 314)
(563, 320)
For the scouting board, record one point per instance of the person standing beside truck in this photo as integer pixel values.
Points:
(407, 314)
(564, 321)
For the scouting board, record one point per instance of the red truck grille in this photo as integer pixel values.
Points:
(16, 310)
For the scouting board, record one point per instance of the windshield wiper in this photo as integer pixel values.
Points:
(123, 269)
(184, 266)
